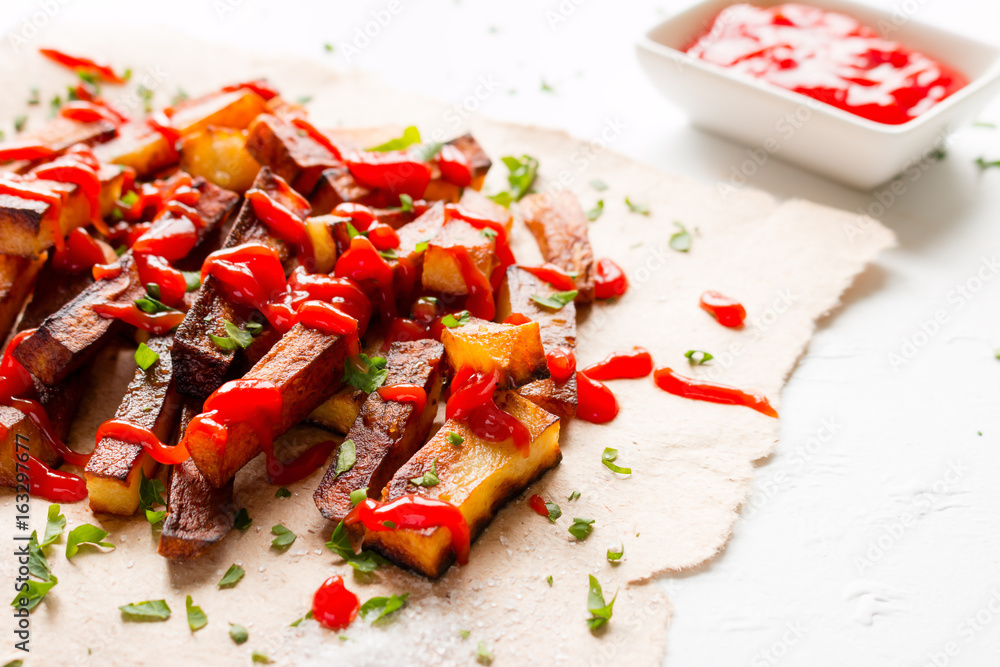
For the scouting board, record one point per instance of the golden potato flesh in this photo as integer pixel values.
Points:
(478, 476)
(220, 155)
(151, 401)
(556, 327)
(515, 350)
(442, 271)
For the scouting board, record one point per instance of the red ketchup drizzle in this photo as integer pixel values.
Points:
(729, 312)
(830, 57)
(82, 252)
(258, 403)
(562, 364)
(472, 401)
(712, 392)
(404, 329)
(537, 503)
(259, 86)
(54, 485)
(553, 275)
(281, 221)
(454, 166)
(635, 364)
(289, 472)
(383, 236)
(14, 185)
(155, 323)
(25, 150)
(501, 240)
(405, 393)
(91, 111)
(317, 136)
(415, 513)
(44, 482)
(609, 280)
(595, 402)
(153, 251)
(361, 216)
(123, 430)
(79, 167)
(77, 63)
(395, 171)
(255, 402)
(252, 275)
(333, 605)
(362, 264)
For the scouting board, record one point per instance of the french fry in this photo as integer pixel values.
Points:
(150, 402)
(201, 366)
(559, 226)
(219, 155)
(70, 336)
(440, 190)
(441, 270)
(24, 228)
(515, 350)
(306, 366)
(280, 145)
(59, 134)
(336, 186)
(557, 329)
(60, 404)
(386, 433)
(139, 147)
(338, 412)
(198, 514)
(478, 477)
(17, 280)
(236, 109)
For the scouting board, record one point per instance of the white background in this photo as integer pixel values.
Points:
(872, 536)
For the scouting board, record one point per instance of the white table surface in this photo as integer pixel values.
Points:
(869, 539)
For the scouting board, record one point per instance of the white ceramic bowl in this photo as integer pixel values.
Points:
(793, 127)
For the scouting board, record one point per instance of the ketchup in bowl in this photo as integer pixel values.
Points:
(830, 57)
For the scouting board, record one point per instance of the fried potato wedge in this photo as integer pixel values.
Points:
(559, 225)
(17, 280)
(477, 476)
(198, 514)
(139, 147)
(386, 433)
(201, 366)
(70, 336)
(60, 404)
(515, 350)
(306, 366)
(25, 228)
(59, 134)
(336, 186)
(236, 109)
(442, 271)
(150, 402)
(338, 412)
(219, 155)
(556, 327)
(295, 157)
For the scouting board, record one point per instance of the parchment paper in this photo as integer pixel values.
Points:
(692, 461)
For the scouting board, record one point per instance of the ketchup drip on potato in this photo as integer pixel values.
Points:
(414, 513)
(472, 401)
(43, 481)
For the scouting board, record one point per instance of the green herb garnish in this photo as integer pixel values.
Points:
(429, 478)
(608, 459)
